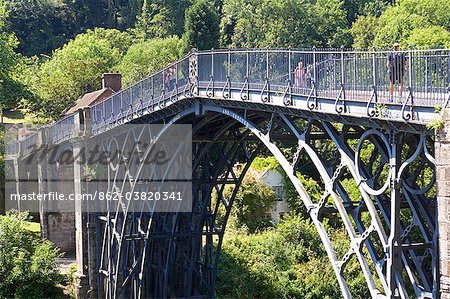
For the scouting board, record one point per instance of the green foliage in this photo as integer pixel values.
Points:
(285, 262)
(429, 37)
(381, 110)
(41, 25)
(252, 202)
(294, 200)
(408, 18)
(364, 30)
(160, 19)
(149, 56)
(436, 124)
(265, 163)
(202, 26)
(27, 264)
(11, 89)
(71, 279)
(281, 23)
(330, 23)
(75, 69)
(119, 40)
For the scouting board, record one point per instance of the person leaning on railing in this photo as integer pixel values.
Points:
(396, 63)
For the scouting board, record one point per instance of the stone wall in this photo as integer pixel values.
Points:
(443, 196)
(61, 231)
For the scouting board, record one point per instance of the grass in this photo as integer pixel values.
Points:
(33, 227)
(13, 116)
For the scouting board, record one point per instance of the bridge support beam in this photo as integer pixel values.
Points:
(443, 197)
(82, 284)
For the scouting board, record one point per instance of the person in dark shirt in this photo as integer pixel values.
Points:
(396, 65)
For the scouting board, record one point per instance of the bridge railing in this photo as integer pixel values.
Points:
(352, 75)
(63, 129)
(29, 144)
(12, 148)
(324, 73)
(142, 95)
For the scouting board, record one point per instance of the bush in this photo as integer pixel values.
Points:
(142, 59)
(288, 261)
(27, 263)
(252, 202)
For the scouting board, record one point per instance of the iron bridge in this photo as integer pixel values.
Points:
(241, 102)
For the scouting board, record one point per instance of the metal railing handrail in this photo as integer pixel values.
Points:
(358, 73)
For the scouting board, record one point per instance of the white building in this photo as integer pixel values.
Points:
(274, 179)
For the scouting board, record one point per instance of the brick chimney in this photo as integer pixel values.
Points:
(113, 81)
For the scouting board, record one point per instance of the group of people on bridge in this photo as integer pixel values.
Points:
(304, 73)
(396, 63)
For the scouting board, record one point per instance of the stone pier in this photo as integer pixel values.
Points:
(443, 196)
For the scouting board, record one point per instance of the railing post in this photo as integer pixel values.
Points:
(153, 87)
(176, 75)
(342, 73)
(212, 61)
(290, 65)
(374, 69)
(267, 64)
(247, 70)
(142, 90)
(229, 63)
(87, 120)
(410, 97)
(315, 71)
(374, 74)
(410, 69)
(193, 72)
(212, 68)
(121, 102)
(228, 79)
(266, 98)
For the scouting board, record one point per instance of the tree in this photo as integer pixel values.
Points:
(266, 23)
(147, 57)
(27, 264)
(399, 22)
(11, 89)
(288, 261)
(160, 19)
(41, 25)
(283, 23)
(429, 37)
(75, 69)
(202, 26)
(252, 202)
(364, 30)
(356, 8)
(330, 23)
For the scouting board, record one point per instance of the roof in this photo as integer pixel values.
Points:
(90, 99)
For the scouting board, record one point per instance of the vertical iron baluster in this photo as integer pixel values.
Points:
(375, 77)
(343, 75)
(315, 71)
(153, 88)
(288, 91)
(408, 116)
(289, 65)
(247, 64)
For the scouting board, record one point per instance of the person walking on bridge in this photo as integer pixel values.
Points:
(396, 65)
(299, 75)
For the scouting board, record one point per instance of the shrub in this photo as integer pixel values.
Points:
(288, 261)
(27, 264)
